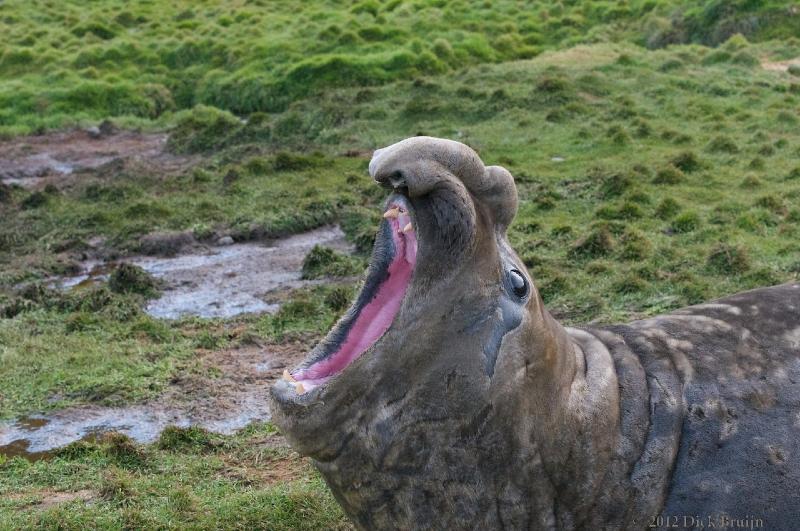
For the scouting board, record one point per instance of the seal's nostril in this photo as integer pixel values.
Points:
(398, 180)
(395, 181)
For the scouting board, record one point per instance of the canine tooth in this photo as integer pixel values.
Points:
(299, 389)
(287, 376)
(408, 228)
(391, 213)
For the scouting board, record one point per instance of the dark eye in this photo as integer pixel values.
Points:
(518, 283)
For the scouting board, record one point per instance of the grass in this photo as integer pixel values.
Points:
(322, 261)
(189, 478)
(654, 172)
(678, 177)
(69, 62)
(94, 346)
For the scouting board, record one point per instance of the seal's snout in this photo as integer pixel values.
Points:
(412, 180)
(416, 166)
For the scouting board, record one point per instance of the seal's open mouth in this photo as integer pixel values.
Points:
(389, 276)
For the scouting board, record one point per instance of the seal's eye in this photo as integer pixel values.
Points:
(518, 283)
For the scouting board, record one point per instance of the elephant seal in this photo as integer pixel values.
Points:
(447, 397)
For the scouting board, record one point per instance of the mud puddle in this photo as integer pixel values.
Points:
(32, 161)
(225, 281)
(232, 398)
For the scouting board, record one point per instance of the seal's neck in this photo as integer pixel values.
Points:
(577, 410)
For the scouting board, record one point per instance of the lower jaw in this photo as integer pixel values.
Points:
(376, 316)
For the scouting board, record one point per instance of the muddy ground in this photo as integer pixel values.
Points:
(55, 157)
(223, 280)
(209, 281)
(222, 400)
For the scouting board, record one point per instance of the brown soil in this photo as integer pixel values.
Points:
(273, 462)
(219, 382)
(243, 374)
(55, 158)
(44, 499)
(780, 66)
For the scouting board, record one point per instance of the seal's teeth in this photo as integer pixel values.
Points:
(299, 389)
(391, 213)
(408, 228)
(287, 376)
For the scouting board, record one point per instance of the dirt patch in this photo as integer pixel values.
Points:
(274, 462)
(54, 158)
(578, 55)
(231, 387)
(269, 471)
(226, 280)
(223, 392)
(45, 499)
(780, 66)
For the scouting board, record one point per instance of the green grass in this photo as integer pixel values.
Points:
(72, 62)
(52, 359)
(650, 178)
(93, 346)
(325, 262)
(239, 482)
(664, 153)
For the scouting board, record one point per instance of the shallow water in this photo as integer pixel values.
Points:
(217, 282)
(36, 436)
(235, 399)
(224, 281)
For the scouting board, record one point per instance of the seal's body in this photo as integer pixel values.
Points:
(723, 388)
(447, 397)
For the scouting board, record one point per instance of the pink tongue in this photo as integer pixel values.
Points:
(377, 316)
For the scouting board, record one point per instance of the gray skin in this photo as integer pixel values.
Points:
(478, 410)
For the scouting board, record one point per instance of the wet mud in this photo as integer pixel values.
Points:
(52, 158)
(229, 388)
(224, 281)
(225, 400)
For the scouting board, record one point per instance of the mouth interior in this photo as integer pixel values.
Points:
(373, 315)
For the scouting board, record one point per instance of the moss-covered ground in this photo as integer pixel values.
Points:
(650, 178)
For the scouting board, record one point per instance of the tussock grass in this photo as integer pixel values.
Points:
(71, 63)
